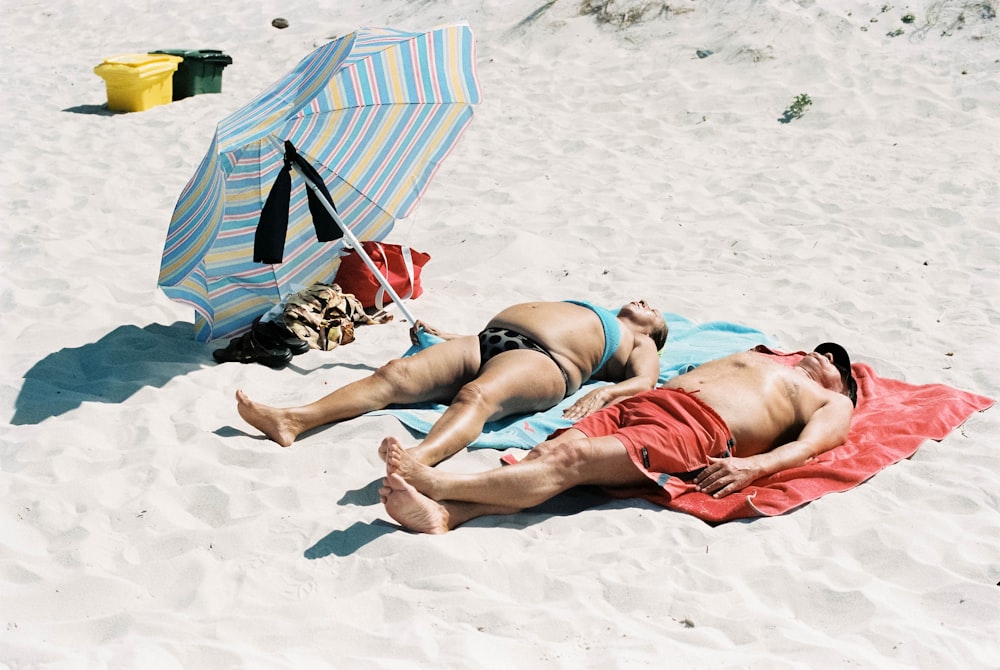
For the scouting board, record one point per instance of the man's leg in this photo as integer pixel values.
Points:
(415, 511)
(428, 500)
(434, 374)
(514, 382)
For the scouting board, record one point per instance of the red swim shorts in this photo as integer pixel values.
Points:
(665, 431)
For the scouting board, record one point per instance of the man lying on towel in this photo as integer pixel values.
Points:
(527, 359)
(725, 424)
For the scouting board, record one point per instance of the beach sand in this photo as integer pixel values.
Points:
(144, 525)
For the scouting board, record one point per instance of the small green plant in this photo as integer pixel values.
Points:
(796, 109)
(607, 12)
(909, 18)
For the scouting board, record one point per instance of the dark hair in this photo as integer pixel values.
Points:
(659, 335)
(850, 385)
(842, 361)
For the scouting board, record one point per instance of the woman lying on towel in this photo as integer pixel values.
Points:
(527, 359)
(724, 425)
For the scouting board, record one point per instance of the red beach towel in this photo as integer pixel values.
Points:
(892, 419)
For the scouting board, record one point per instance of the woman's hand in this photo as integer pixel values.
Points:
(430, 330)
(588, 404)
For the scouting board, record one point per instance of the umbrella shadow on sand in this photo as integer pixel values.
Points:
(109, 371)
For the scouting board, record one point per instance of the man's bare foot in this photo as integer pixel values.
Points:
(383, 448)
(416, 453)
(271, 421)
(399, 461)
(412, 509)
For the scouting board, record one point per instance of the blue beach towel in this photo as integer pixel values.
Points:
(689, 345)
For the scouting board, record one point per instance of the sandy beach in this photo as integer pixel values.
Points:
(622, 150)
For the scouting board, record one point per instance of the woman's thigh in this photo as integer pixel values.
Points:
(435, 373)
(518, 382)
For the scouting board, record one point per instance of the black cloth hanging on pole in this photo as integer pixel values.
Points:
(269, 239)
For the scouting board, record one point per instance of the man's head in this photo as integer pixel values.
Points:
(647, 320)
(838, 355)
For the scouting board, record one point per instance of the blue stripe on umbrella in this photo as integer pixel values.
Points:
(376, 162)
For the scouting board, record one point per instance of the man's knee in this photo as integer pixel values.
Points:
(564, 455)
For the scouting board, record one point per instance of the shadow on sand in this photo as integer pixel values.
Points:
(110, 370)
(97, 110)
(346, 542)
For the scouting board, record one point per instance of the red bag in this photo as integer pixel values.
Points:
(401, 265)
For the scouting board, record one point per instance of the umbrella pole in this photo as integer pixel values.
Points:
(356, 245)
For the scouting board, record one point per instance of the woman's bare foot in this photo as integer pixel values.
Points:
(410, 508)
(272, 421)
(399, 461)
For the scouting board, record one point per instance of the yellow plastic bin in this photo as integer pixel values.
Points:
(136, 82)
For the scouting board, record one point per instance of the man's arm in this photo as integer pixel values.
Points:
(826, 428)
(642, 371)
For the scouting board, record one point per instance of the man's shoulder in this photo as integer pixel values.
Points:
(763, 352)
(751, 357)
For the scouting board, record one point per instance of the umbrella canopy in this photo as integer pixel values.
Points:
(373, 112)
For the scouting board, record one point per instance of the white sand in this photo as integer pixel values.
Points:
(143, 525)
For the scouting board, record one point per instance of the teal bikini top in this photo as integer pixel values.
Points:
(612, 329)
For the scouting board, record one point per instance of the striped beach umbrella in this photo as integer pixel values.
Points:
(373, 112)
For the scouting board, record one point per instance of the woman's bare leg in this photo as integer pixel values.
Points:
(434, 374)
(514, 382)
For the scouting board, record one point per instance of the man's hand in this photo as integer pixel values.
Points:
(726, 475)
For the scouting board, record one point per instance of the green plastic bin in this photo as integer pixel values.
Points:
(199, 72)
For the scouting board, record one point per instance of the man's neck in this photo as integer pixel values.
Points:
(806, 373)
